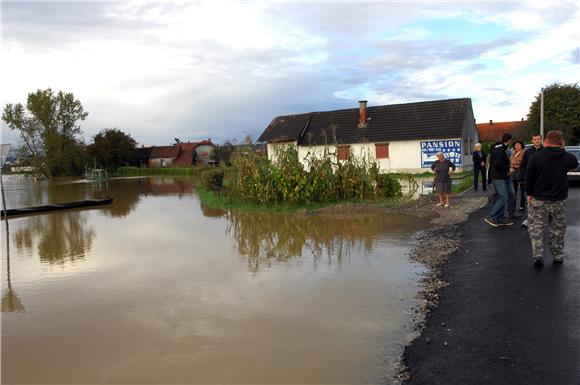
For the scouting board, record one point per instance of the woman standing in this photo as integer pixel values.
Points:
(517, 174)
(443, 168)
(479, 167)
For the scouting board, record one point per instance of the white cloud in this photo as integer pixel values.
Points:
(193, 68)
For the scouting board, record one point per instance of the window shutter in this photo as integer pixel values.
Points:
(382, 150)
(343, 152)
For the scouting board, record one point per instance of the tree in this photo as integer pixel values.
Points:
(49, 129)
(561, 111)
(112, 148)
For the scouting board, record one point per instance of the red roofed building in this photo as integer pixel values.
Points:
(492, 131)
(179, 154)
(196, 152)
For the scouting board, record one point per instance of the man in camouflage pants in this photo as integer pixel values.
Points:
(547, 188)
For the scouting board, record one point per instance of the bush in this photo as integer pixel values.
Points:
(324, 179)
(388, 185)
(213, 179)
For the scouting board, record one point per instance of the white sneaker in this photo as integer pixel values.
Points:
(446, 204)
(525, 223)
(439, 204)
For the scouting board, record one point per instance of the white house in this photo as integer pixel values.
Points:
(400, 137)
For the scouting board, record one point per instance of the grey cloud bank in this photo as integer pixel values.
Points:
(199, 70)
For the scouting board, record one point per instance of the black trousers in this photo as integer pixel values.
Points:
(522, 194)
(476, 172)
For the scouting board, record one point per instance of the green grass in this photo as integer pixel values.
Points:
(466, 183)
(214, 200)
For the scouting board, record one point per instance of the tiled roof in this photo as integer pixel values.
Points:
(164, 152)
(194, 145)
(284, 128)
(185, 158)
(410, 121)
(492, 131)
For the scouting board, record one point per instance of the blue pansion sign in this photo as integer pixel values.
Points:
(450, 147)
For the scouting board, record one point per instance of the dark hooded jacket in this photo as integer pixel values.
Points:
(527, 156)
(499, 162)
(546, 174)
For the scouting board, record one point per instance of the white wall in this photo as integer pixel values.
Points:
(272, 147)
(161, 162)
(204, 153)
(404, 156)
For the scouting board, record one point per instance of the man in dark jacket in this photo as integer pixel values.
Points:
(547, 188)
(536, 147)
(499, 167)
(479, 158)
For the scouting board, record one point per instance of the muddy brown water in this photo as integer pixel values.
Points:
(157, 288)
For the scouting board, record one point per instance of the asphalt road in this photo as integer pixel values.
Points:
(501, 321)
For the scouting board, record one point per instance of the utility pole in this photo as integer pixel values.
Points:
(542, 114)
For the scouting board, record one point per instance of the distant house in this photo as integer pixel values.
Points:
(201, 152)
(400, 137)
(492, 131)
(179, 154)
(163, 156)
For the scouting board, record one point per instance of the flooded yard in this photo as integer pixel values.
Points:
(157, 288)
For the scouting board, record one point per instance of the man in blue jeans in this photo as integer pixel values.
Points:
(499, 167)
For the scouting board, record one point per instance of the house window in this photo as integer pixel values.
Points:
(466, 147)
(382, 150)
(343, 152)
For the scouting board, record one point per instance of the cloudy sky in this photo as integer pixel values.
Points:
(223, 69)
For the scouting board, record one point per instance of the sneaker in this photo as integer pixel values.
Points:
(525, 223)
(538, 263)
(446, 204)
(491, 222)
(559, 260)
(522, 208)
(439, 204)
(504, 222)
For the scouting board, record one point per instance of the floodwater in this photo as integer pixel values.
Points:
(157, 288)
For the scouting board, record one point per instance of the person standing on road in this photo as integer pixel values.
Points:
(516, 173)
(536, 147)
(499, 167)
(443, 168)
(547, 188)
(479, 167)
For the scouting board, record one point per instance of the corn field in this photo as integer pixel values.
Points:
(285, 180)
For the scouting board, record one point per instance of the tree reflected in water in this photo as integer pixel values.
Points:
(59, 237)
(66, 236)
(267, 238)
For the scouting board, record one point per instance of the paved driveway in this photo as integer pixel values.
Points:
(501, 321)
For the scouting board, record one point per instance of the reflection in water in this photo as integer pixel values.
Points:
(212, 212)
(62, 237)
(10, 301)
(128, 192)
(163, 295)
(65, 236)
(266, 238)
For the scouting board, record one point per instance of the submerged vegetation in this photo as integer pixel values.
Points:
(286, 180)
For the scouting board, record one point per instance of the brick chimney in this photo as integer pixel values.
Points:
(362, 117)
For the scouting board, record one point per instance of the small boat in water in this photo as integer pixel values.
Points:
(10, 213)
